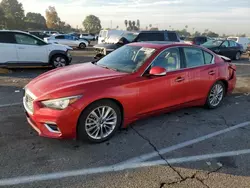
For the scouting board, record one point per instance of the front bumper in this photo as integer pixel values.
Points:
(53, 123)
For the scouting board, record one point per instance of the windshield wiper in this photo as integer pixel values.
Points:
(106, 67)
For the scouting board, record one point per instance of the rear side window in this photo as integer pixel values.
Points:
(200, 40)
(232, 44)
(172, 37)
(6, 37)
(194, 57)
(208, 57)
(150, 37)
(60, 37)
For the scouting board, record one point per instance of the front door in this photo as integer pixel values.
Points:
(30, 50)
(157, 93)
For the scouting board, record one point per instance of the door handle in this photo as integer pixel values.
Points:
(179, 79)
(212, 72)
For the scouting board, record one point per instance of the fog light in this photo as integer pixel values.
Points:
(52, 128)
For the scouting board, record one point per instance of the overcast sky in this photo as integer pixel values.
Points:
(222, 16)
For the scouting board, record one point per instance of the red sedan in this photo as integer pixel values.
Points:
(91, 101)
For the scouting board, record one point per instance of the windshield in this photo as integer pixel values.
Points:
(130, 36)
(213, 43)
(126, 59)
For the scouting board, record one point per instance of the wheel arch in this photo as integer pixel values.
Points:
(57, 52)
(225, 82)
(117, 102)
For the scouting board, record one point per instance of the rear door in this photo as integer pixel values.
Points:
(200, 71)
(234, 48)
(8, 52)
(225, 49)
(60, 39)
(30, 49)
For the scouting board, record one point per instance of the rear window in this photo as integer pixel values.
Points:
(6, 37)
(172, 37)
(150, 37)
(234, 39)
(60, 37)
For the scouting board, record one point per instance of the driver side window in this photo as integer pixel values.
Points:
(168, 59)
(25, 39)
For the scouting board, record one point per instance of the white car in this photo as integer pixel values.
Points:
(68, 40)
(51, 33)
(19, 48)
(87, 36)
(241, 40)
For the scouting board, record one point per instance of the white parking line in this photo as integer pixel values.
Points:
(115, 168)
(183, 144)
(12, 104)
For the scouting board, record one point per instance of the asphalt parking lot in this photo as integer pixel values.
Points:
(196, 147)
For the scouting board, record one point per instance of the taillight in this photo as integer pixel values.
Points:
(231, 69)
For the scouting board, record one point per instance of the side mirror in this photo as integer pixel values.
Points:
(157, 71)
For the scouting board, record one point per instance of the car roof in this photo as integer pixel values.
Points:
(14, 31)
(159, 44)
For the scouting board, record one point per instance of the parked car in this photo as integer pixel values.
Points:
(240, 40)
(104, 34)
(68, 40)
(87, 36)
(22, 49)
(38, 34)
(226, 48)
(91, 101)
(197, 40)
(51, 33)
(166, 36)
(248, 51)
(114, 42)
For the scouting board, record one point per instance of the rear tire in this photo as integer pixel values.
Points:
(99, 121)
(82, 46)
(237, 56)
(215, 95)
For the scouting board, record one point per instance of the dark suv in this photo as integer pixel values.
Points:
(170, 36)
(197, 40)
(143, 36)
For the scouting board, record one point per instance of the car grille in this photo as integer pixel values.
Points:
(28, 103)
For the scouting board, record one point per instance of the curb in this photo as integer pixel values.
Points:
(4, 71)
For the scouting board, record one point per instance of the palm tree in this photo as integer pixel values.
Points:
(133, 23)
(146, 27)
(138, 24)
(186, 26)
(126, 23)
(130, 23)
(150, 25)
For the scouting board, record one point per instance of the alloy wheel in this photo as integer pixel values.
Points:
(60, 62)
(216, 95)
(237, 57)
(101, 122)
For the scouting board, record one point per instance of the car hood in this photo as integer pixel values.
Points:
(68, 77)
(107, 46)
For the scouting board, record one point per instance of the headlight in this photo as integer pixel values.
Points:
(68, 53)
(60, 104)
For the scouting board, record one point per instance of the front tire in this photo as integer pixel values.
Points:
(82, 46)
(215, 95)
(59, 61)
(237, 56)
(99, 121)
